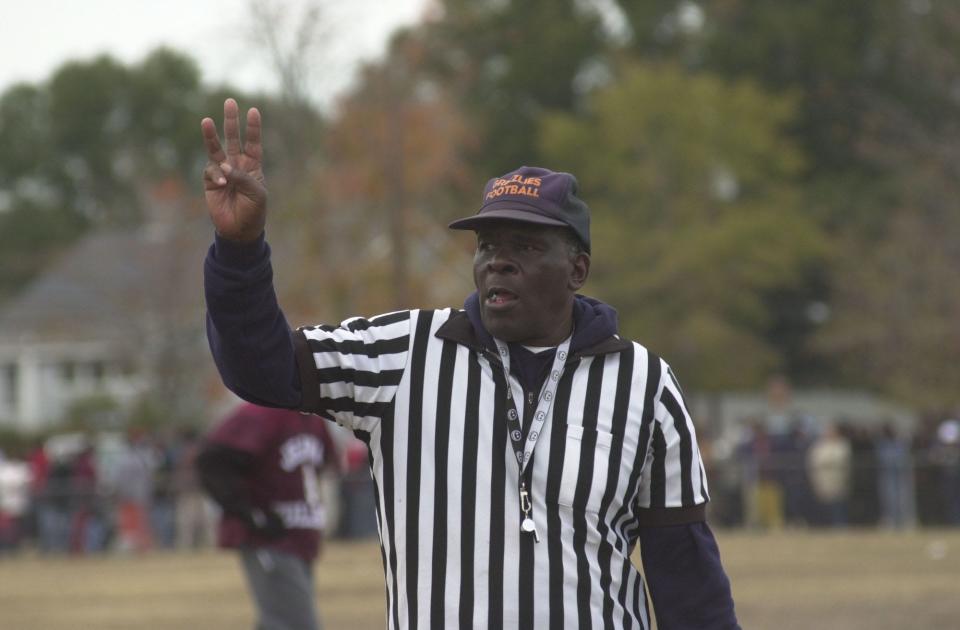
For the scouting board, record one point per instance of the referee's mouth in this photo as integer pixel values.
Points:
(498, 298)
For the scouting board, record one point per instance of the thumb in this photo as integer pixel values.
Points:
(233, 175)
(241, 181)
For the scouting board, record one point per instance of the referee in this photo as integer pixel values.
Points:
(520, 447)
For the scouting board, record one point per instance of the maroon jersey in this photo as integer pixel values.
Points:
(289, 448)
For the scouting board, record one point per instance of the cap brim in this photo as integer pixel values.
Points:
(503, 214)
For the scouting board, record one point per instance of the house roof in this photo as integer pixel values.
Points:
(109, 284)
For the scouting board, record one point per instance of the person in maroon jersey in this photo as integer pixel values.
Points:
(260, 465)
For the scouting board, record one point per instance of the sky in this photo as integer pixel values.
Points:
(39, 35)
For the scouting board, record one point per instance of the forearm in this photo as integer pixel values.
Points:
(688, 586)
(248, 333)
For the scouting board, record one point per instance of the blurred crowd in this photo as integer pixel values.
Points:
(138, 491)
(836, 474)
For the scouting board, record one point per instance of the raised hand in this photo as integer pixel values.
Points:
(233, 181)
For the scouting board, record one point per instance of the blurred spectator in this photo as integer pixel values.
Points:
(194, 512)
(864, 503)
(925, 473)
(829, 464)
(782, 414)
(39, 465)
(163, 523)
(133, 488)
(791, 453)
(14, 501)
(894, 479)
(88, 531)
(946, 456)
(53, 504)
(763, 492)
(726, 481)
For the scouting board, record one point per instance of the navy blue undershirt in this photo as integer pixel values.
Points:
(252, 348)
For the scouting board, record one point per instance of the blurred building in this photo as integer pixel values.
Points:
(725, 413)
(117, 314)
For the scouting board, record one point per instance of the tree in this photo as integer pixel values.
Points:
(696, 212)
(111, 124)
(291, 41)
(870, 78)
(395, 159)
(83, 149)
(896, 310)
(507, 63)
(897, 293)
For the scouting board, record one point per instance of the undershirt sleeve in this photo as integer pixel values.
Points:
(688, 586)
(247, 332)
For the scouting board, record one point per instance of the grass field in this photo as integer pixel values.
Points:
(790, 581)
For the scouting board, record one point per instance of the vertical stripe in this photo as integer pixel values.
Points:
(481, 507)
(510, 583)
(676, 383)
(499, 447)
(625, 594)
(430, 449)
(527, 601)
(386, 455)
(588, 449)
(619, 425)
(558, 435)
(650, 385)
(686, 445)
(658, 473)
(413, 449)
(468, 495)
(639, 599)
(704, 494)
(441, 450)
(542, 507)
(651, 388)
(526, 596)
(645, 613)
(373, 460)
(455, 475)
(626, 570)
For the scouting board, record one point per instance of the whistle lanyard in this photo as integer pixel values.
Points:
(523, 449)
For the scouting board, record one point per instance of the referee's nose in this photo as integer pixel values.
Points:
(501, 264)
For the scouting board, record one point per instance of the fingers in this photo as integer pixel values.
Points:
(231, 127)
(210, 139)
(252, 147)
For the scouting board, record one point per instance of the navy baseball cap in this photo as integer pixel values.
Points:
(533, 195)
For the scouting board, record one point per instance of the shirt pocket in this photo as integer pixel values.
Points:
(586, 463)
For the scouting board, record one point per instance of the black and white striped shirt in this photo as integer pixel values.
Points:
(618, 451)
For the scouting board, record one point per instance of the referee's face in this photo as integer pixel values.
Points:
(526, 276)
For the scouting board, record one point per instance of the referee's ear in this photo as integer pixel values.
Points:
(579, 271)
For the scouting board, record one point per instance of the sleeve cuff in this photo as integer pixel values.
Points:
(239, 255)
(309, 384)
(664, 517)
